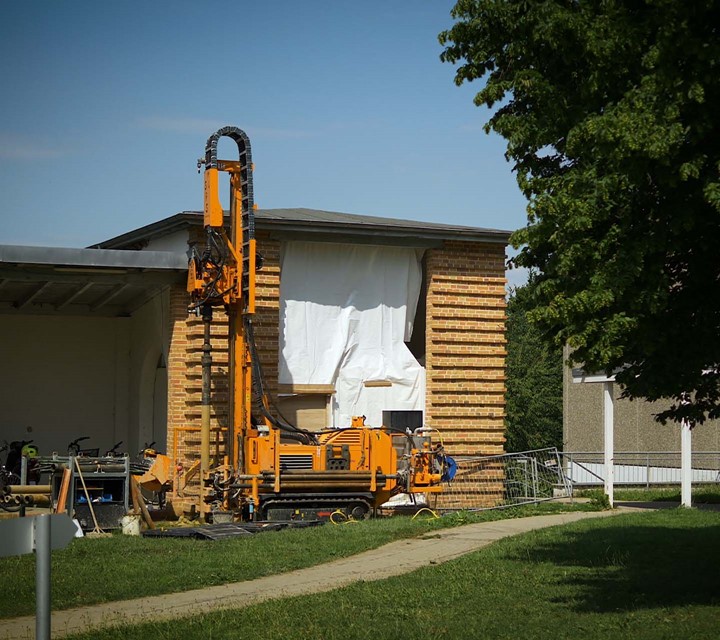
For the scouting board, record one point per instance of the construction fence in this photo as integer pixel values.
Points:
(512, 479)
(636, 468)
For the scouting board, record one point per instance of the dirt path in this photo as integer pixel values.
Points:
(392, 559)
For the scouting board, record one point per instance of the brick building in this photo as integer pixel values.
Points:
(110, 339)
(458, 326)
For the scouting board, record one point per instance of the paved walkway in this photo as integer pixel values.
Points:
(392, 559)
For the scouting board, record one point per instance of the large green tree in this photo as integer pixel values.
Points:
(610, 112)
(534, 379)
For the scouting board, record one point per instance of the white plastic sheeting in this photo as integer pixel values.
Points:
(345, 314)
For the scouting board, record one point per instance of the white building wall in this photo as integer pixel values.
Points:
(176, 242)
(65, 377)
(149, 344)
(62, 378)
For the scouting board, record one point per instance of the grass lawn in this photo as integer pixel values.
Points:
(94, 570)
(644, 575)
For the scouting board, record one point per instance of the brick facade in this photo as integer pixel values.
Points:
(267, 310)
(465, 346)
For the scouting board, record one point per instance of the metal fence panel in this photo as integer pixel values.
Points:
(493, 482)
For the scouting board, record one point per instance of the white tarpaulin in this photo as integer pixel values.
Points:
(345, 314)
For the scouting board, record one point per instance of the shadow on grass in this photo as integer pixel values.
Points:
(623, 568)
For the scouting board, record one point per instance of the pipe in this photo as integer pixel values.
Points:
(30, 500)
(324, 477)
(297, 473)
(328, 486)
(30, 488)
(102, 468)
(206, 363)
(319, 486)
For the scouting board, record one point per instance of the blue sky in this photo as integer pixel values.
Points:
(106, 107)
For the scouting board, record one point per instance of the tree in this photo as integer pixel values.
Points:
(608, 109)
(534, 379)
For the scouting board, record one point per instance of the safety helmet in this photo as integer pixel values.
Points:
(30, 451)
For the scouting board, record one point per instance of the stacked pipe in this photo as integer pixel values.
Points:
(92, 465)
(34, 489)
(28, 495)
(14, 501)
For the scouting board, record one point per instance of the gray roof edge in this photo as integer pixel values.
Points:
(345, 223)
(469, 234)
(162, 227)
(89, 258)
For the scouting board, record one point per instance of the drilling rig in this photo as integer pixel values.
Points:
(273, 470)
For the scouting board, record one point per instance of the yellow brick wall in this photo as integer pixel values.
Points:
(465, 346)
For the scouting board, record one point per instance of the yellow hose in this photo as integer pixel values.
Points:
(346, 518)
(430, 511)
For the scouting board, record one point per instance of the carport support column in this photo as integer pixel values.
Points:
(608, 424)
(686, 464)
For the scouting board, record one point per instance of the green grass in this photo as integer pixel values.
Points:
(700, 495)
(95, 570)
(649, 575)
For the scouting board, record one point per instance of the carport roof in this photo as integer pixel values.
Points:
(94, 282)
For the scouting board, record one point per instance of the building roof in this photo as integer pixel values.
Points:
(110, 278)
(94, 282)
(322, 225)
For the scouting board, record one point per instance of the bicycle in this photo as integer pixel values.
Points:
(113, 451)
(74, 449)
(8, 477)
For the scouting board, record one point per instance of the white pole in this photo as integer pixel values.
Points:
(42, 577)
(608, 424)
(686, 464)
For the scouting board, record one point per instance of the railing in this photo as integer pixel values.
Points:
(640, 468)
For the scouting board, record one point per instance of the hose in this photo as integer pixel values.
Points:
(430, 511)
(262, 398)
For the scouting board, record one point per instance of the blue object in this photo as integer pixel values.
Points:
(449, 469)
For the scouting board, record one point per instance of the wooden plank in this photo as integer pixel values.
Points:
(323, 389)
(135, 488)
(376, 383)
(63, 493)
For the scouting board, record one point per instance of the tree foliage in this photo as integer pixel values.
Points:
(534, 380)
(609, 109)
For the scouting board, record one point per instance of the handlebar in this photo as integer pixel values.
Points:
(75, 444)
(147, 451)
(113, 450)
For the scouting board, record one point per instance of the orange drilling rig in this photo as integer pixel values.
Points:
(273, 470)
